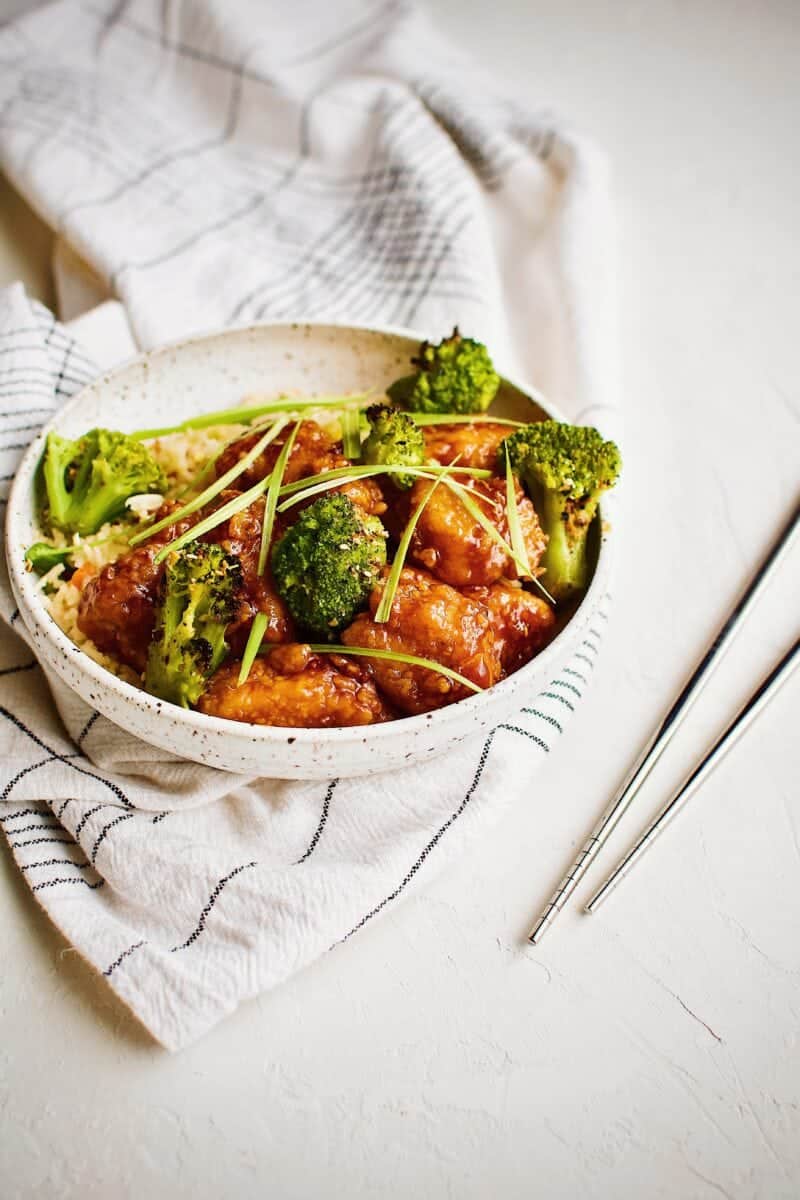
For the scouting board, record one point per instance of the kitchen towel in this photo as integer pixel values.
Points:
(216, 163)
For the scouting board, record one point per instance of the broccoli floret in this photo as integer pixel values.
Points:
(325, 564)
(394, 440)
(87, 481)
(455, 376)
(196, 603)
(565, 468)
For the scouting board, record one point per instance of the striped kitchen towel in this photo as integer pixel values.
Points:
(216, 163)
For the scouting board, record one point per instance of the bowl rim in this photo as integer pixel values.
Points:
(33, 612)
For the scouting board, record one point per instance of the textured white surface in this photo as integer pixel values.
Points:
(431, 1054)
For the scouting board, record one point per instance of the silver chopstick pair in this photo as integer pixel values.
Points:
(746, 714)
(664, 733)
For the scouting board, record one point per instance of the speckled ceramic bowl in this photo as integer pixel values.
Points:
(213, 372)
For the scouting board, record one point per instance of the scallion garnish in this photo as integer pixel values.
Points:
(204, 471)
(272, 499)
(384, 609)
(351, 434)
(485, 523)
(234, 506)
(259, 626)
(422, 418)
(358, 472)
(327, 480)
(244, 416)
(209, 463)
(411, 660)
(472, 508)
(514, 527)
(254, 640)
(216, 487)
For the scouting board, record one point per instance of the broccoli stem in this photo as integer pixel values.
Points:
(565, 561)
(56, 461)
(106, 504)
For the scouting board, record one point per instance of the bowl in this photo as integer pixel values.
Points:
(211, 372)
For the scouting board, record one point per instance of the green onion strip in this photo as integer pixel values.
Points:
(209, 463)
(272, 499)
(244, 416)
(411, 660)
(328, 480)
(324, 482)
(205, 470)
(217, 486)
(479, 516)
(422, 418)
(254, 640)
(514, 527)
(351, 434)
(384, 609)
(259, 626)
(483, 520)
(218, 517)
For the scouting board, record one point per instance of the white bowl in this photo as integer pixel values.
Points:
(212, 372)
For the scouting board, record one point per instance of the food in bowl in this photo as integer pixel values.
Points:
(324, 561)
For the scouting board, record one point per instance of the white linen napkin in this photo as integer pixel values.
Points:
(220, 163)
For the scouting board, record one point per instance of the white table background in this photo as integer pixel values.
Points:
(648, 1051)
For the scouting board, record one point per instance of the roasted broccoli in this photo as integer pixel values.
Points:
(455, 376)
(197, 601)
(565, 468)
(394, 440)
(325, 564)
(88, 481)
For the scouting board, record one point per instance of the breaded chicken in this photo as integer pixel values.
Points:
(523, 623)
(476, 445)
(292, 686)
(454, 547)
(431, 620)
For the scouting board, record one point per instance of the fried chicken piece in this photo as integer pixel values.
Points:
(476, 444)
(314, 452)
(451, 544)
(117, 606)
(294, 686)
(523, 623)
(431, 620)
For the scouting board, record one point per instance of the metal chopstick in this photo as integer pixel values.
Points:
(746, 715)
(664, 732)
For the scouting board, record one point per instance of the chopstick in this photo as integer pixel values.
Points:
(746, 715)
(666, 730)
